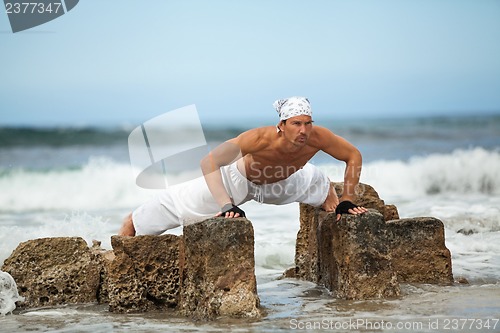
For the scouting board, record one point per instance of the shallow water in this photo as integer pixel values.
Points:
(293, 305)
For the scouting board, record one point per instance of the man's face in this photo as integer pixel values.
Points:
(297, 129)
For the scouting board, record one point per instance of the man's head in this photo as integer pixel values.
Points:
(295, 119)
(292, 106)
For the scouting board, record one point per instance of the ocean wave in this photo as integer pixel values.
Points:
(100, 184)
(103, 183)
(30, 137)
(58, 137)
(466, 171)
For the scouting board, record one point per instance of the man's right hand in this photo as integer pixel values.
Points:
(230, 211)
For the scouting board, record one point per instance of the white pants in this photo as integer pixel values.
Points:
(192, 202)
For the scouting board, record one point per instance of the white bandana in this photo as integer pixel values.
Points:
(293, 106)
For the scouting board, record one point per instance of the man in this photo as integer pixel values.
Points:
(267, 164)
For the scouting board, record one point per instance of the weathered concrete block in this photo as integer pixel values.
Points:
(365, 249)
(218, 274)
(103, 259)
(418, 250)
(306, 246)
(354, 257)
(306, 250)
(54, 271)
(144, 274)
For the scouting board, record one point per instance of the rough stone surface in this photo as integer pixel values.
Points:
(306, 246)
(418, 250)
(306, 249)
(144, 274)
(215, 272)
(360, 256)
(102, 259)
(54, 271)
(218, 275)
(354, 259)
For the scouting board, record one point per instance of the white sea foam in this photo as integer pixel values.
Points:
(8, 294)
(468, 171)
(462, 171)
(75, 224)
(100, 184)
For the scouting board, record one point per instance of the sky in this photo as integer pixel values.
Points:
(122, 62)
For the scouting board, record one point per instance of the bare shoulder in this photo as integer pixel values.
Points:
(321, 136)
(332, 144)
(255, 139)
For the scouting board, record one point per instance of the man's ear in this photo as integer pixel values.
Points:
(280, 125)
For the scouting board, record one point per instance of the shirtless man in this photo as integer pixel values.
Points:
(267, 164)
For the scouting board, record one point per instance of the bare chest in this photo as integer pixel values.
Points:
(271, 168)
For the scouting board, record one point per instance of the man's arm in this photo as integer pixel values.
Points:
(342, 150)
(224, 154)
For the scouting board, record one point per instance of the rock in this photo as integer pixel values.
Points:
(218, 270)
(390, 212)
(466, 231)
(102, 259)
(54, 271)
(360, 257)
(306, 249)
(144, 273)
(462, 280)
(418, 250)
(306, 246)
(354, 259)
(209, 275)
(288, 274)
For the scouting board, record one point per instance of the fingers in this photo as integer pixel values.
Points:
(357, 210)
(228, 215)
(354, 211)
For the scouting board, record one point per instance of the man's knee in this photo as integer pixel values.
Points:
(127, 228)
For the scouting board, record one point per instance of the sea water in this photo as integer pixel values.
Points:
(79, 182)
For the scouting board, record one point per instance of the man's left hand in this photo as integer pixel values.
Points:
(350, 208)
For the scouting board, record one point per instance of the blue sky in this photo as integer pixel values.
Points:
(124, 62)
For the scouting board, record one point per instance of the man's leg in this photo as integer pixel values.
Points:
(127, 228)
(332, 201)
(190, 201)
